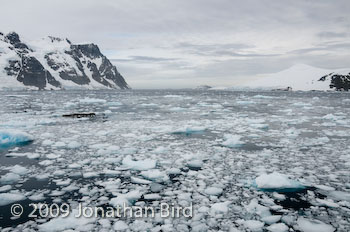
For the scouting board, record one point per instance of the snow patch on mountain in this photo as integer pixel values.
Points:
(299, 77)
(55, 63)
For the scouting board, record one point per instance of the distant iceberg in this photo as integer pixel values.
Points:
(9, 138)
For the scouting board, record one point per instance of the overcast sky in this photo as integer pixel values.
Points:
(185, 43)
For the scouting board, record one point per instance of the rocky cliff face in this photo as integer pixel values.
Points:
(337, 81)
(55, 63)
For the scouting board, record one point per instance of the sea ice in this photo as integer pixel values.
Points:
(127, 199)
(120, 226)
(5, 188)
(88, 100)
(220, 207)
(307, 225)
(155, 175)
(276, 181)
(139, 164)
(195, 164)
(189, 130)
(10, 178)
(232, 141)
(8, 198)
(278, 227)
(18, 169)
(213, 191)
(10, 138)
(253, 225)
(65, 223)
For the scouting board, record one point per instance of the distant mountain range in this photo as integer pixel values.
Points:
(55, 63)
(304, 77)
(298, 77)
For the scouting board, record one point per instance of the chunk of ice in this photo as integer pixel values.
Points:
(9, 178)
(278, 227)
(254, 225)
(10, 138)
(139, 165)
(8, 198)
(213, 191)
(120, 226)
(155, 175)
(276, 181)
(232, 141)
(221, 207)
(125, 199)
(307, 225)
(65, 223)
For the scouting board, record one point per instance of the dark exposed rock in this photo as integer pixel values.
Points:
(340, 82)
(337, 81)
(32, 73)
(13, 38)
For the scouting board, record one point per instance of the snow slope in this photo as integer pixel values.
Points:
(54, 63)
(299, 77)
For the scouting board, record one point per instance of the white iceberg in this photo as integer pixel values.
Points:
(139, 165)
(232, 141)
(8, 198)
(275, 181)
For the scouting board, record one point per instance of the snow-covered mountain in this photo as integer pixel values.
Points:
(55, 63)
(304, 77)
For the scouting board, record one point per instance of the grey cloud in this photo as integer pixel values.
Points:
(326, 47)
(145, 59)
(331, 35)
(229, 49)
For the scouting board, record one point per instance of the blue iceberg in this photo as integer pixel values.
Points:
(11, 138)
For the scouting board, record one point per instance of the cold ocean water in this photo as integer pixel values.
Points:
(247, 161)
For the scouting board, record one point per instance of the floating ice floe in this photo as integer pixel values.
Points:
(232, 141)
(139, 165)
(5, 188)
(9, 178)
(120, 226)
(221, 207)
(8, 198)
(10, 138)
(278, 182)
(213, 191)
(155, 175)
(70, 222)
(189, 130)
(88, 100)
(253, 225)
(18, 169)
(195, 164)
(126, 199)
(278, 227)
(307, 225)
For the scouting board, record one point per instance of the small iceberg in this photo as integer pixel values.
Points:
(139, 165)
(311, 225)
(277, 182)
(9, 138)
(232, 141)
(8, 198)
(189, 130)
